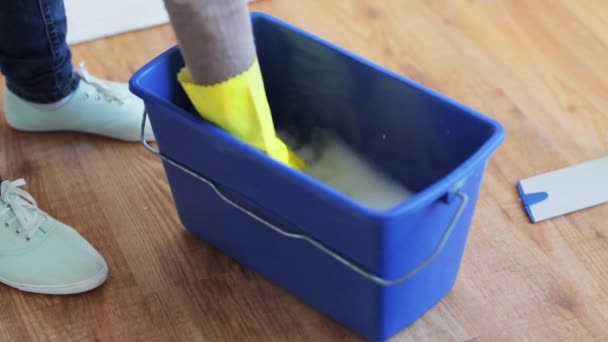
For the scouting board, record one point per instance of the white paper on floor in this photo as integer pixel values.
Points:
(337, 165)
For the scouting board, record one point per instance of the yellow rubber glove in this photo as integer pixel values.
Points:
(239, 106)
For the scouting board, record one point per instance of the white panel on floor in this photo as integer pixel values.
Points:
(565, 190)
(93, 19)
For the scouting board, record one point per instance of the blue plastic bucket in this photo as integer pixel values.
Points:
(374, 271)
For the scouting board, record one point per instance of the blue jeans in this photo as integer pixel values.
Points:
(34, 56)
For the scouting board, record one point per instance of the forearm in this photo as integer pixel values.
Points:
(215, 37)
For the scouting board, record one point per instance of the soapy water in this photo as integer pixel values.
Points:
(333, 162)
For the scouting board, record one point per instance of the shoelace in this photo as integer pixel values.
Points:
(106, 89)
(23, 206)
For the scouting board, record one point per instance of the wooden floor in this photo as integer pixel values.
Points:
(538, 66)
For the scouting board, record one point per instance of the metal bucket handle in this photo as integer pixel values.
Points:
(327, 250)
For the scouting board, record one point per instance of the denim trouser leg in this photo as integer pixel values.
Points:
(34, 56)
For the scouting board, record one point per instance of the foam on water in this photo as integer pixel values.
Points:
(334, 163)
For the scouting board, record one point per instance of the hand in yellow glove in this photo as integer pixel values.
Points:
(239, 106)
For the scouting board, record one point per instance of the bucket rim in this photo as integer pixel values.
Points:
(442, 187)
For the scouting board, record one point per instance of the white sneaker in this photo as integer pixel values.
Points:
(40, 254)
(97, 107)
